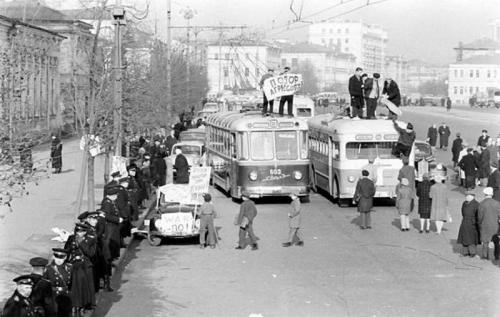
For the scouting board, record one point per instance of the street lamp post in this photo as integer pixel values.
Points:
(119, 21)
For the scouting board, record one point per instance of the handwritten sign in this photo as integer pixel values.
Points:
(282, 85)
(199, 179)
(179, 223)
(119, 164)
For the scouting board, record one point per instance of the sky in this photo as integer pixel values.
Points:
(423, 29)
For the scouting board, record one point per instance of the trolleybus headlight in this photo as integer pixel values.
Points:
(252, 175)
(297, 175)
(351, 179)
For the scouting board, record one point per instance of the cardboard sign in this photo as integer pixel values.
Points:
(119, 164)
(391, 106)
(179, 223)
(176, 193)
(199, 179)
(282, 85)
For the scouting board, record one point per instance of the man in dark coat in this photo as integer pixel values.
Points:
(288, 99)
(494, 181)
(432, 134)
(391, 90)
(19, 304)
(42, 296)
(125, 210)
(133, 192)
(456, 148)
(484, 166)
(59, 274)
(56, 154)
(405, 141)
(488, 216)
(109, 208)
(158, 170)
(448, 104)
(372, 93)
(182, 167)
(469, 165)
(444, 136)
(483, 139)
(265, 102)
(468, 234)
(356, 92)
(115, 178)
(96, 229)
(424, 203)
(363, 196)
(245, 219)
(170, 141)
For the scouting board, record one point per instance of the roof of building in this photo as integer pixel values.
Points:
(480, 44)
(305, 48)
(482, 60)
(18, 22)
(88, 14)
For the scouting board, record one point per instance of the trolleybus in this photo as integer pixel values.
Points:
(259, 155)
(341, 148)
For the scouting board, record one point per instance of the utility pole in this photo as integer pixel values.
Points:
(119, 17)
(188, 15)
(168, 69)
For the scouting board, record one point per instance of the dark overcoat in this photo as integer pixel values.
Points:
(19, 306)
(432, 134)
(484, 164)
(392, 91)
(41, 295)
(444, 135)
(468, 234)
(424, 199)
(111, 243)
(456, 148)
(468, 164)
(60, 277)
(182, 167)
(56, 153)
(489, 211)
(494, 182)
(365, 190)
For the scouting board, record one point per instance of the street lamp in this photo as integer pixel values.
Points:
(119, 21)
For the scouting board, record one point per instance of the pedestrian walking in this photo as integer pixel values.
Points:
(58, 272)
(356, 92)
(372, 93)
(468, 234)
(56, 154)
(488, 216)
(294, 222)
(207, 215)
(444, 136)
(41, 295)
(448, 104)
(19, 304)
(424, 203)
(265, 101)
(363, 196)
(469, 165)
(244, 220)
(391, 91)
(483, 138)
(404, 203)
(494, 181)
(182, 166)
(432, 134)
(439, 208)
(405, 141)
(288, 99)
(455, 149)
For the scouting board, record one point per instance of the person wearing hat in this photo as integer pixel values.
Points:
(483, 139)
(493, 149)
(81, 249)
(356, 93)
(372, 93)
(432, 134)
(405, 140)
(469, 165)
(407, 171)
(181, 165)
(494, 180)
(487, 218)
(483, 166)
(124, 207)
(439, 205)
(456, 147)
(41, 295)
(404, 203)
(424, 203)
(392, 93)
(115, 177)
(56, 154)
(444, 136)
(207, 214)
(97, 227)
(294, 222)
(109, 208)
(265, 101)
(58, 272)
(288, 99)
(244, 221)
(19, 304)
(363, 196)
(468, 234)
(170, 142)
(133, 190)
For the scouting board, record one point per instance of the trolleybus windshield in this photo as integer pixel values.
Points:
(367, 150)
(190, 149)
(286, 145)
(262, 145)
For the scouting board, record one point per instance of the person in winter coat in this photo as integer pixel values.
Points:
(494, 181)
(469, 165)
(407, 172)
(432, 134)
(207, 214)
(424, 203)
(356, 92)
(439, 207)
(488, 216)
(42, 295)
(484, 166)
(405, 141)
(444, 136)
(182, 166)
(468, 234)
(56, 154)
(58, 272)
(455, 149)
(404, 203)
(363, 196)
(158, 170)
(170, 141)
(19, 304)
(391, 91)
(294, 222)
(244, 221)
(483, 139)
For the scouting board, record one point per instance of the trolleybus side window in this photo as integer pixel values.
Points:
(262, 145)
(366, 150)
(232, 145)
(335, 150)
(286, 145)
(304, 152)
(242, 146)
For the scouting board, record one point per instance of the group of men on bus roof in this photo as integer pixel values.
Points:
(288, 99)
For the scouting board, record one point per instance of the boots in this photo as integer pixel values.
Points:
(107, 284)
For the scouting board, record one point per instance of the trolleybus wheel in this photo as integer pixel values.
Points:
(154, 240)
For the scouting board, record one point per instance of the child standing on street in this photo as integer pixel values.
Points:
(294, 220)
(207, 214)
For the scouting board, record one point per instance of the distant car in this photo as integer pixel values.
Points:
(496, 98)
(423, 152)
(193, 135)
(194, 151)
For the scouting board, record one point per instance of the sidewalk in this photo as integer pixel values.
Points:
(26, 232)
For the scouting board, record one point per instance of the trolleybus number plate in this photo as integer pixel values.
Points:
(276, 171)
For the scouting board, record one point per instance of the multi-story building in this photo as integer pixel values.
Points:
(481, 47)
(239, 65)
(397, 68)
(366, 42)
(420, 72)
(29, 82)
(331, 68)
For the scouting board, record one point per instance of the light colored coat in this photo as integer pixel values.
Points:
(489, 211)
(439, 207)
(404, 199)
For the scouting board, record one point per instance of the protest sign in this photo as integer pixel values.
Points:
(179, 223)
(282, 85)
(199, 179)
(119, 164)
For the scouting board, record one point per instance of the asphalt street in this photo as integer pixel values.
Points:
(341, 270)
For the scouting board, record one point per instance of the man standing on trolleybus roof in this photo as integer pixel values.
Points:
(288, 98)
(265, 102)
(356, 92)
(405, 141)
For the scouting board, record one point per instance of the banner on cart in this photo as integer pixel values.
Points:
(282, 85)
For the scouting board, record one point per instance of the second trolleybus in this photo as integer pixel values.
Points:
(259, 155)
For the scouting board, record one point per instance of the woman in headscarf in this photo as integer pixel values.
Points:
(439, 207)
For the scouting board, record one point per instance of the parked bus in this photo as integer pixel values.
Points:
(263, 156)
(341, 148)
(303, 107)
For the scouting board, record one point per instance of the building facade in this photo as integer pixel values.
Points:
(420, 72)
(478, 76)
(366, 42)
(29, 90)
(235, 66)
(396, 67)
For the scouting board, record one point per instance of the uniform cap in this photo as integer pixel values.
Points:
(494, 164)
(207, 197)
(60, 252)
(470, 192)
(81, 227)
(409, 126)
(376, 75)
(25, 279)
(488, 191)
(38, 261)
(115, 174)
(113, 190)
(123, 180)
(83, 215)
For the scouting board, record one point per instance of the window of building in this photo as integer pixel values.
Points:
(461, 73)
(331, 31)
(494, 73)
(323, 31)
(346, 49)
(323, 41)
(471, 90)
(283, 61)
(346, 41)
(455, 90)
(488, 74)
(216, 56)
(455, 73)
(477, 73)
(247, 72)
(295, 62)
(471, 73)
(226, 72)
(346, 31)
(339, 31)
(226, 56)
(330, 43)
(461, 90)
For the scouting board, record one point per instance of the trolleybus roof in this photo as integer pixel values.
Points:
(236, 120)
(339, 125)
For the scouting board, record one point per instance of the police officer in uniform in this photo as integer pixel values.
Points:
(96, 230)
(58, 272)
(19, 304)
(41, 295)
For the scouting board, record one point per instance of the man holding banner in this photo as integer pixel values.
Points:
(284, 86)
(266, 101)
(286, 98)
